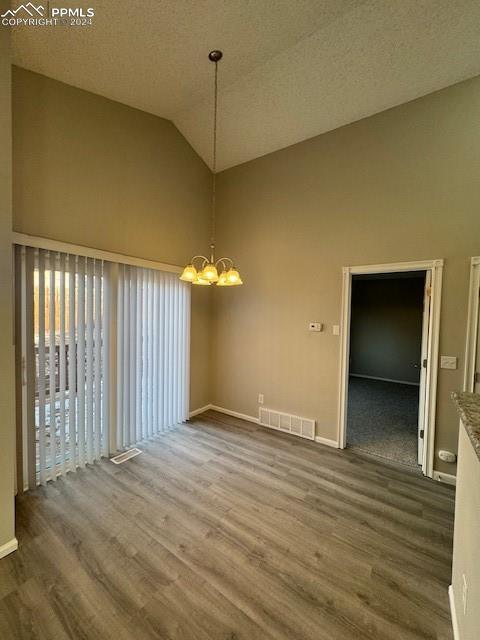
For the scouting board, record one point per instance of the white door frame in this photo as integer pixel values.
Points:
(436, 268)
(472, 325)
(424, 357)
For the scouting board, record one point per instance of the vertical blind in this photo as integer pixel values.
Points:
(69, 361)
(88, 404)
(153, 326)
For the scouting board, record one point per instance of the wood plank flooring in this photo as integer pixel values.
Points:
(225, 530)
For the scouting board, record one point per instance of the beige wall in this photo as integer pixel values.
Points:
(466, 550)
(94, 172)
(7, 431)
(402, 185)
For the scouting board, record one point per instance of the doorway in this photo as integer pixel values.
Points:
(385, 360)
(393, 419)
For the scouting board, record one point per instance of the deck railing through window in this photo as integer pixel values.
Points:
(70, 339)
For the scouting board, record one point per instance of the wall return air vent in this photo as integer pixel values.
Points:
(297, 426)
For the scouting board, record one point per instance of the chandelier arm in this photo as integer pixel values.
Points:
(226, 262)
(203, 258)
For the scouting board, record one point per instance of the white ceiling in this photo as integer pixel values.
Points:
(292, 69)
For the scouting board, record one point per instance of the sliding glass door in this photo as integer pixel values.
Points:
(104, 359)
(153, 328)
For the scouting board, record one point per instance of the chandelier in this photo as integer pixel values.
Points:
(203, 270)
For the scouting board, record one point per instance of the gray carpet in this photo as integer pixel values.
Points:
(382, 419)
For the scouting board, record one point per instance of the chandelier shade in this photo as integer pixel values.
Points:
(233, 277)
(202, 270)
(189, 274)
(209, 272)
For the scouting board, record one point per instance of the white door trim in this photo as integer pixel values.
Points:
(423, 372)
(472, 325)
(453, 613)
(436, 268)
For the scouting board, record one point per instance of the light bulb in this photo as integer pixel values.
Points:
(233, 277)
(201, 281)
(209, 272)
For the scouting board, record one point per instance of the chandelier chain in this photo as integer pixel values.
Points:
(214, 154)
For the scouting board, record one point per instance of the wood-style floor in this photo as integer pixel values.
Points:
(225, 530)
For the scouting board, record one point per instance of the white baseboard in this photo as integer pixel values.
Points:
(453, 613)
(446, 478)
(327, 442)
(360, 375)
(195, 412)
(8, 547)
(234, 414)
(244, 416)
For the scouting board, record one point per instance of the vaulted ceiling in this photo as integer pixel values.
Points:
(292, 69)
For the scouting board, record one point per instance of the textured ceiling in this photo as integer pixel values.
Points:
(292, 68)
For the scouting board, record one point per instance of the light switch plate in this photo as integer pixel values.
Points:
(448, 362)
(315, 326)
(336, 329)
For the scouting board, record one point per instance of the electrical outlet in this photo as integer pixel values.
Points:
(315, 326)
(464, 594)
(260, 398)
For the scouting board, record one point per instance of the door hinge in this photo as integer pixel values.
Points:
(424, 363)
(422, 433)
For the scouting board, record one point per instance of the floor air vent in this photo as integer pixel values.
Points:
(125, 455)
(303, 427)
